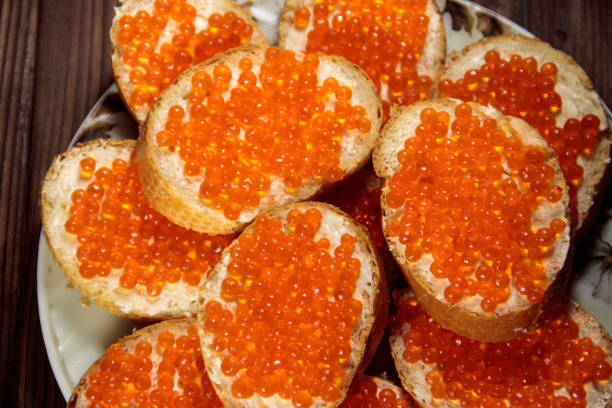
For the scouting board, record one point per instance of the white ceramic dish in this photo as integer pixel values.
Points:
(76, 334)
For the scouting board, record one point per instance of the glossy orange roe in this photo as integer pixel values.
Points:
(290, 311)
(385, 38)
(117, 230)
(367, 394)
(525, 371)
(158, 47)
(293, 129)
(136, 378)
(517, 87)
(359, 197)
(460, 207)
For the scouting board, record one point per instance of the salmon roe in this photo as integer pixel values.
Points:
(461, 207)
(546, 368)
(366, 393)
(384, 38)
(158, 47)
(177, 378)
(119, 233)
(288, 315)
(516, 87)
(359, 197)
(277, 125)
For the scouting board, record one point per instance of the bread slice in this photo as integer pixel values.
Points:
(413, 375)
(370, 290)
(204, 9)
(429, 63)
(181, 329)
(178, 196)
(62, 179)
(466, 317)
(578, 96)
(369, 390)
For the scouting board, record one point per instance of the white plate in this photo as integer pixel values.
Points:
(76, 334)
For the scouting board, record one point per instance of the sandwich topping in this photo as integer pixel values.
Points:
(359, 197)
(289, 313)
(117, 229)
(466, 190)
(549, 367)
(518, 88)
(276, 121)
(386, 39)
(367, 393)
(175, 378)
(157, 47)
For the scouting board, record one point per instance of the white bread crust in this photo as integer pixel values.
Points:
(466, 317)
(62, 178)
(578, 96)
(177, 196)
(128, 343)
(371, 290)
(204, 8)
(412, 375)
(434, 50)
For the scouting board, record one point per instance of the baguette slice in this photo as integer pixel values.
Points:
(429, 62)
(365, 332)
(578, 96)
(369, 391)
(183, 331)
(413, 374)
(515, 313)
(178, 196)
(166, 33)
(177, 299)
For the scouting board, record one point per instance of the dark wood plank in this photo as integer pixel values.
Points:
(54, 64)
(19, 29)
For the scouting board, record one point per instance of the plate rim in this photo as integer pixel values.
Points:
(51, 348)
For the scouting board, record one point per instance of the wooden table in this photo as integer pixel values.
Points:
(54, 64)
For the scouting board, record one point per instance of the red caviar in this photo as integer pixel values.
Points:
(118, 232)
(367, 393)
(531, 370)
(460, 207)
(386, 39)
(178, 379)
(279, 125)
(516, 87)
(359, 197)
(289, 313)
(159, 46)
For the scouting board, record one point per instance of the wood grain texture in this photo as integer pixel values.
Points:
(54, 63)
